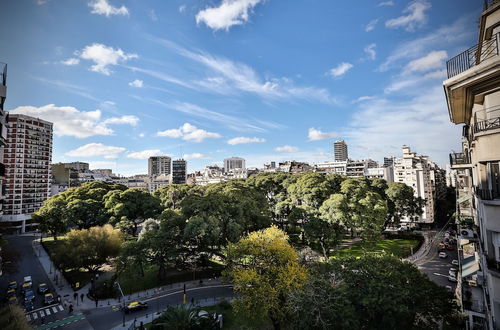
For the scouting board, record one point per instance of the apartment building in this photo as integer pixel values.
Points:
(415, 171)
(233, 163)
(358, 168)
(159, 165)
(340, 151)
(3, 128)
(179, 171)
(473, 97)
(28, 178)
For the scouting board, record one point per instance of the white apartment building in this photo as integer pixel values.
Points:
(473, 97)
(357, 168)
(334, 167)
(415, 171)
(233, 163)
(386, 173)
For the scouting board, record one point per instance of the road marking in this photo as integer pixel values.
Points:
(54, 309)
(437, 274)
(47, 311)
(60, 308)
(62, 322)
(42, 314)
(35, 316)
(192, 289)
(36, 310)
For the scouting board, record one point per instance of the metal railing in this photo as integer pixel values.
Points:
(487, 194)
(472, 56)
(489, 3)
(459, 158)
(485, 125)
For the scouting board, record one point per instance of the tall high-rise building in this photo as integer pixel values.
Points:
(388, 161)
(340, 151)
(3, 127)
(159, 165)
(415, 171)
(473, 97)
(28, 179)
(179, 171)
(233, 163)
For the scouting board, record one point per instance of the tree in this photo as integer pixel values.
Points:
(12, 318)
(402, 202)
(265, 270)
(89, 248)
(52, 216)
(373, 292)
(136, 205)
(184, 317)
(171, 196)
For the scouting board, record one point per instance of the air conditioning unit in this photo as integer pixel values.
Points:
(467, 233)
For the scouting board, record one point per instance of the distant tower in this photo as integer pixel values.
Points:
(159, 165)
(340, 151)
(179, 170)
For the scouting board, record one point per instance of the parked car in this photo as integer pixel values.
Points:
(27, 279)
(27, 286)
(454, 262)
(42, 288)
(12, 300)
(13, 285)
(10, 293)
(449, 288)
(29, 295)
(452, 273)
(135, 306)
(450, 247)
(443, 255)
(48, 299)
(452, 278)
(28, 305)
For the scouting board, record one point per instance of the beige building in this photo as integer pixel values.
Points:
(158, 165)
(415, 171)
(473, 97)
(340, 153)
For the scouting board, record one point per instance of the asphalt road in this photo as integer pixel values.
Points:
(28, 264)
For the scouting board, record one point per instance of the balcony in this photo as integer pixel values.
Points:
(486, 125)
(459, 159)
(473, 56)
(487, 194)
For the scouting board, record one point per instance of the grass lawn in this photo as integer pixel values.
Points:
(398, 247)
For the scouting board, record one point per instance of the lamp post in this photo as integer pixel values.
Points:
(123, 300)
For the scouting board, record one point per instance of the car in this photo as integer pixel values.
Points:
(28, 305)
(29, 295)
(454, 262)
(10, 293)
(443, 255)
(42, 288)
(27, 279)
(135, 306)
(13, 285)
(12, 300)
(452, 278)
(452, 273)
(449, 288)
(450, 247)
(26, 286)
(48, 299)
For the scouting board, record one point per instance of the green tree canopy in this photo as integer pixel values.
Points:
(402, 202)
(53, 216)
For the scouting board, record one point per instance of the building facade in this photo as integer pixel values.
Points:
(3, 128)
(28, 178)
(415, 171)
(233, 163)
(179, 171)
(340, 151)
(473, 97)
(159, 165)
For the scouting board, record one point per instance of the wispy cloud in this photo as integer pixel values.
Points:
(286, 148)
(136, 83)
(145, 154)
(71, 88)
(415, 16)
(316, 134)
(340, 69)
(195, 155)
(188, 132)
(71, 61)
(371, 25)
(433, 60)
(227, 14)
(96, 149)
(103, 7)
(370, 51)
(363, 98)
(386, 3)
(245, 140)
(104, 56)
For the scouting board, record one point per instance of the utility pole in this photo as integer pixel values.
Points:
(123, 298)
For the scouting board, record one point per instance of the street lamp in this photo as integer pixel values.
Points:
(123, 298)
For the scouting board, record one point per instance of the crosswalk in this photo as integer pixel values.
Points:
(43, 312)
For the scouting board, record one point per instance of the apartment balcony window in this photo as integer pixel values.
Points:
(490, 188)
(486, 120)
(459, 158)
(473, 56)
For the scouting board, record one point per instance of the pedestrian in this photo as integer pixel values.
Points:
(96, 303)
(81, 296)
(43, 320)
(59, 298)
(141, 327)
(75, 295)
(70, 309)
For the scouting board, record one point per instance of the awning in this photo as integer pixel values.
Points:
(464, 241)
(470, 265)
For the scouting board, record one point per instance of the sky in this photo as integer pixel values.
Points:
(267, 80)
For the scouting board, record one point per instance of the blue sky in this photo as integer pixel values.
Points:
(261, 79)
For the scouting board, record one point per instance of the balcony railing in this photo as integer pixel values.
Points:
(487, 194)
(485, 125)
(459, 158)
(489, 3)
(472, 56)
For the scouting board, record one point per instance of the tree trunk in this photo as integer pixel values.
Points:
(276, 323)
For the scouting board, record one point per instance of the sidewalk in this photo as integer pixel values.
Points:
(64, 289)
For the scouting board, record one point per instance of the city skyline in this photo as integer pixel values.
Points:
(117, 98)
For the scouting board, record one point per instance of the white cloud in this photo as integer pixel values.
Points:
(182, 8)
(102, 7)
(96, 149)
(69, 121)
(136, 83)
(128, 120)
(104, 56)
(145, 154)
(340, 69)
(227, 14)
(152, 15)
(287, 148)
(432, 60)
(71, 88)
(363, 98)
(386, 3)
(371, 25)
(410, 82)
(316, 134)
(141, 135)
(188, 132)
(245, 140)
(41, 2)
(195, 155)
(415, 17)
(370, 51)
(71, 61)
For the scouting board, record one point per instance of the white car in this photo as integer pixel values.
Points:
(442, 255)
(449, 288)
(454, 262)
(452, 278)
(452, 273)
